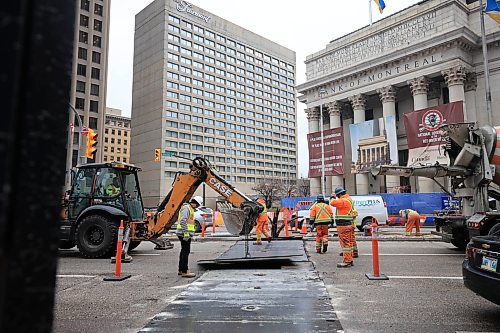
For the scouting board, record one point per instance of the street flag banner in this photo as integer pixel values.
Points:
(381, 5)
(426, 142)
(373, 143)
(493, 10)
(333, 140)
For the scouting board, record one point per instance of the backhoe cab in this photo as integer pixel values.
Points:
(102, 194)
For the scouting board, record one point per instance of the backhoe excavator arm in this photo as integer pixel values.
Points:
(183, 188)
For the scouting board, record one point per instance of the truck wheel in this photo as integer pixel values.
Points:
(133, 245)
(66, 245)
(495, 230)
(460, 239)
(366, 221)
(96, 236)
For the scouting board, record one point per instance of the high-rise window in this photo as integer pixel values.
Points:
(94, 106)
(81, 69)
(96, 73)
(83, 37)
(96, 57)
(98, 25)
(84, 21)
(85, 5)
(98, 9)
(94, 89)
(93, 123)
(82, 53)
(97, 41)
(79, 103)
(80, 86)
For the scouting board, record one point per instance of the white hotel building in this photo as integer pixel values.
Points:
(204, 86)
(426, 55)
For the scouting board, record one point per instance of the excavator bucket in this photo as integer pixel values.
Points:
(235, 221)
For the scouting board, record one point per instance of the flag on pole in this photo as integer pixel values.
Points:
(493, 10)
(381, 5)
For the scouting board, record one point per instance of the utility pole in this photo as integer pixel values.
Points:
(321, 92)
(486, 66)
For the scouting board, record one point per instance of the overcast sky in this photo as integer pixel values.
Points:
(302, 26)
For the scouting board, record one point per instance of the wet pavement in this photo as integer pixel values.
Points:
(290, 298)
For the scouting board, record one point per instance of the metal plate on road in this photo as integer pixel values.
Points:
(276, 250)
(250, 301)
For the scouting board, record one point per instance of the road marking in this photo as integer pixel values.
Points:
(75, 276)
(426, 277)
(416, 254)
(146, 254)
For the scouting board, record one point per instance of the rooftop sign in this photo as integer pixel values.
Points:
(184, 6)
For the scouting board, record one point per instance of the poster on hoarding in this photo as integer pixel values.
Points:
(425, 140)
(333, 141)
(373, 142)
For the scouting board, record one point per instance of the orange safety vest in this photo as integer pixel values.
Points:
(262, 216)
(345, 206)
(321, 213)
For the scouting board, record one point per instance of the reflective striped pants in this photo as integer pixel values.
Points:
(345, 239)
(260, 229)
(321, 236)
(353, 240)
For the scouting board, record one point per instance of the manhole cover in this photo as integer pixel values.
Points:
(250, 308)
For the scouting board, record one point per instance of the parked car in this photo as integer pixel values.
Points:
(201, 214)
(368, 207)
(480, 268)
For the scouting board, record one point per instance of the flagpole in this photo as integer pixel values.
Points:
(486, 66)
(370, 10)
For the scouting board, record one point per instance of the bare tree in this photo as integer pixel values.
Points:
(288, 187)
(303, 187)
(268, 188)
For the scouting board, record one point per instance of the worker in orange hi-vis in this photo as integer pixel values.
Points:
(412, 218)
(262, 220)
(344, 204)
(321, 216)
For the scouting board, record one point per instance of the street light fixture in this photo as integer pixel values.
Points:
(322, 91)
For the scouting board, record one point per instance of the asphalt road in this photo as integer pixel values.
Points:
(425, 292)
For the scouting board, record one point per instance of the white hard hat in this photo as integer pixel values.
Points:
(198, 200)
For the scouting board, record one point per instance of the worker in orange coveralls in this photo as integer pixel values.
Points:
(412, 218)
(321, 216)
(262, 220)
(345, 227)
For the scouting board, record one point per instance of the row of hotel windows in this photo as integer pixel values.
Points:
(223, 133)
(112, 158)
(83, 37)
(291, 165)
(208, 85)
(95, 73)
(240, 179)
(276, 80)
(230, 42)
(228, 168)
(232, 143)
(82, 54)
(118, 150)
(221, 168)
(125, 133)
(84, 22)
(224, 115)
(231, 126)
(85, 5)
(267, 69)
(219, 150)
(80, 104)
(94, 88)
(249, 94)
(125, 124)
(119, 141)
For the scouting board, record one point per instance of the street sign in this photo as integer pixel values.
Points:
(170, 153)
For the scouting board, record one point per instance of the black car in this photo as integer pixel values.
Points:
(481, 268)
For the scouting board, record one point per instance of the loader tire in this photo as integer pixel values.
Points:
(96, 236)
(66, 245)
(133, 245)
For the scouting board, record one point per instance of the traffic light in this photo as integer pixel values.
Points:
(157, 155)
(91, 143)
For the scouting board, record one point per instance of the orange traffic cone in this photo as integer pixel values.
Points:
(303, 231)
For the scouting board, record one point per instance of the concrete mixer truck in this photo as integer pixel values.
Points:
(474, 174)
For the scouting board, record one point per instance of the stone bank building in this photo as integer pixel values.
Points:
(426, 55)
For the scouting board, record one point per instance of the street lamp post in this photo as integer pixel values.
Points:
(322, 91)
(70, 143)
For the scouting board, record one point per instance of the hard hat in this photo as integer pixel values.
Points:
(339, 190)
(197, 199)
(320, 197)
(401, 212)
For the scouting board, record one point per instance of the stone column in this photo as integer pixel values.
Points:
(358, 105)
(455, 78)
(470, 100)
(334, 113)
(388, 99)
(313, 122)
(419, 88)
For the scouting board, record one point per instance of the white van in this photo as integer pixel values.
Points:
(368, 207)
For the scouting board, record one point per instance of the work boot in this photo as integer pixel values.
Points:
(269, 239)
(341, 254)
(257, 243)
(188, 274)
(318, 251)
(407, 233)
(355, 255)
(419, 234)
(345, 264)
(325, 247)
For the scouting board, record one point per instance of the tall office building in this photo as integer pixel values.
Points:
(204, 86)
(90, 65)
(116, 143)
